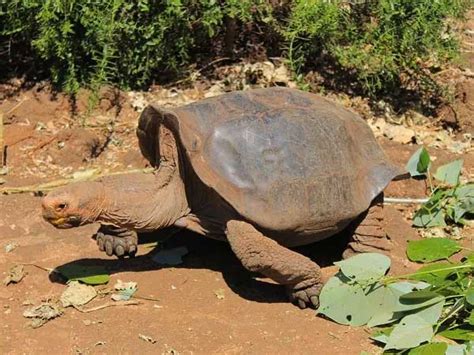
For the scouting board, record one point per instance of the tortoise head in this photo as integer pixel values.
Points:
(73, 205)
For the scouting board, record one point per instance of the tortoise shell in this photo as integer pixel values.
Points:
(284, 159)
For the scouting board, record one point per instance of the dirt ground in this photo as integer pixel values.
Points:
(49, 138)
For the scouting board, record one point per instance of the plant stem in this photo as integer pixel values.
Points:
(390, 279)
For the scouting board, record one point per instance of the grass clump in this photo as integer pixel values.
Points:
(373, 47)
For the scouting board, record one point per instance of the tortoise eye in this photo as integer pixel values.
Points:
(61, 206)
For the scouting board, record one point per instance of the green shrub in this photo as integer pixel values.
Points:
(383, 45)
(376, 47)
(128, 43)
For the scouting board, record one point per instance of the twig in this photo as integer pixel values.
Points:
(61, 182)
(16, 106)
(1, 142)
(39, 267)
(106, 305)
(405, 201)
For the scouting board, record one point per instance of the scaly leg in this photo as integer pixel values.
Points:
(258, 253)
(369, 235)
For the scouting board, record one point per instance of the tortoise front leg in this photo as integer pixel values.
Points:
(258, 253)
(369, 234)
(117, 241)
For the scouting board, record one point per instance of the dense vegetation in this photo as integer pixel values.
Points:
(377, 46)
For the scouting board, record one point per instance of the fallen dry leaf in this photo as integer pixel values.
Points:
(77, 294)
(42, 314)
(125, 290)
(15, 275)
(170, 256)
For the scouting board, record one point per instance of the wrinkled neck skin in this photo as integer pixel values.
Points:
(144, 202)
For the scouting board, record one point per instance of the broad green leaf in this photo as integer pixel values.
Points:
(385, 313)
(470, 319)
(91, 275)
(425, 218)
(432, 249)
(348, 303)
(419, 162)
(410, 332)
(430, 349)
(381, 335)
(365, 266)
(457, 349)
(418, 296)
(449, 173)
(432, 313)
(390, 309)
(410, 305)
(470, 295)
(459, 334)
(437, 275)
(465, 196)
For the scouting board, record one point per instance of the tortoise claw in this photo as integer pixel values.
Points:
(117, 242)
(305, 297)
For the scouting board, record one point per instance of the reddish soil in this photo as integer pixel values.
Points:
(48, 138)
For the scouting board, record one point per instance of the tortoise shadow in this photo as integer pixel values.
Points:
(212, 255)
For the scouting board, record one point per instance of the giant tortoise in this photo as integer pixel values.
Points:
(264, 169)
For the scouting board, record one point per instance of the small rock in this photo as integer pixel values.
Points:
(147, 338)
(219, 294)
(87, 322)
(2, 181)
(10, 247)
(99, 343)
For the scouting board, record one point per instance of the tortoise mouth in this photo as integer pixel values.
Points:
(64, 222)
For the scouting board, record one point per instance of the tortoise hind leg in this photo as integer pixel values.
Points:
(258, 253)
(369, 235)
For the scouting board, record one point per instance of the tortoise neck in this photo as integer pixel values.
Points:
(145, 202)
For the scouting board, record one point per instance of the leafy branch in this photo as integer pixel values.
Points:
(415, 311)
(450, 201)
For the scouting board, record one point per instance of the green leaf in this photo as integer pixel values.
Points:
(437, 275)
(430, 349)
(410, 332)
(425, 218)
(418, 296)
(459, 334)
(348, 303)
(390, 309)
(432, 249)
(464, 349)
(432, 313)
(91, 275)
(449, 173)
(470, 295)
(365, 266)
(381, 335)
(465, 198)
(419, 162)
(470, 319)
